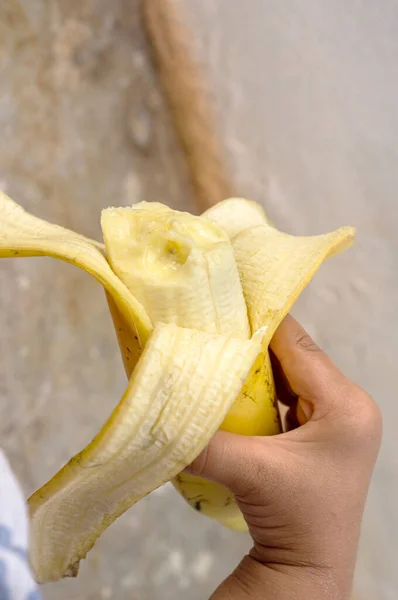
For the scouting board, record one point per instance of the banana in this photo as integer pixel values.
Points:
(274, 268)
(195, 302)
(183, 270)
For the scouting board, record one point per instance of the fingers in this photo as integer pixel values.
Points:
(317, 390)
(230, 460)
(283, 388)
(310, 373)
(325, 396)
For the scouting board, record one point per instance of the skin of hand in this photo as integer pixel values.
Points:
(303, 492)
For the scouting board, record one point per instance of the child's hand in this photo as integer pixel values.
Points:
(303, 492)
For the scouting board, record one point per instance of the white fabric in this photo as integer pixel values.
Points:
(16, 579)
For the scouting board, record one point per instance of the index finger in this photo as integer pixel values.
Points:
(309, 371)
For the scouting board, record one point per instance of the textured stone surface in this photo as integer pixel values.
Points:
(309, 101)
(309, 112)
(82, 127)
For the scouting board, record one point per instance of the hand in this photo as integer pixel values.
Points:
(303, 492)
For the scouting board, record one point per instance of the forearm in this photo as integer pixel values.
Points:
(254, 581)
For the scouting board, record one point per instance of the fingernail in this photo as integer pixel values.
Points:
(306, 409)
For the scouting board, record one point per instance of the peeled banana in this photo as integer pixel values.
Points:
(195, 302)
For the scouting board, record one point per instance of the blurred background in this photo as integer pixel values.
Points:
(307, 103)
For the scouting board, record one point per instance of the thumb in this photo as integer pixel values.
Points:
(230, 460)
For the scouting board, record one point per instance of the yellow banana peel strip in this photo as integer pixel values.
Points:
(275, 267)
(182, 293)
(160, 425)
(22, 234)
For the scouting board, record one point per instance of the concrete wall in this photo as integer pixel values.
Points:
(308, 98)
(308, 106)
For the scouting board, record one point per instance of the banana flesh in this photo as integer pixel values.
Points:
(181, 268)
(236, 214)
(194, 301)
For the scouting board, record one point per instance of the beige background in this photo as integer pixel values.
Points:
(307, 97)
(309, 101)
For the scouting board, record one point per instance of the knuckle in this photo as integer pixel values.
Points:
(363, 418)
(305, 342)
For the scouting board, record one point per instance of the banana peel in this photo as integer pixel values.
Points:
(195, 302)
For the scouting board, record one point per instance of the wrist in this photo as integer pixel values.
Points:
(253, 580)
